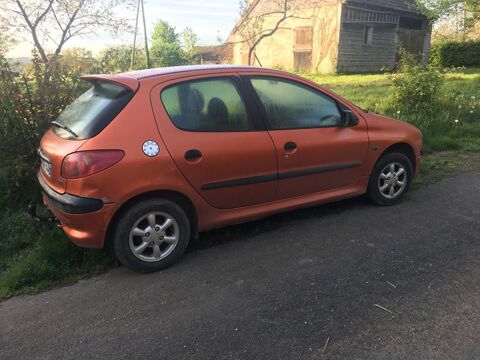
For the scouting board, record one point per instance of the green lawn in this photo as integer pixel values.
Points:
(35, 256)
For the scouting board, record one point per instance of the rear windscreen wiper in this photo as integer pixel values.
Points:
(66, 128)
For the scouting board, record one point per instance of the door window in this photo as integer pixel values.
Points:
(210, 105)
(291, 105)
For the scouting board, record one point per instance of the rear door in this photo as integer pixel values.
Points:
(217, 142)
(315, 151)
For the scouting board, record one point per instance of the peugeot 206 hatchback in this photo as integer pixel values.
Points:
(145, 160)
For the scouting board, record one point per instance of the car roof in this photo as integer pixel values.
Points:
(148, 73)
(132, 79)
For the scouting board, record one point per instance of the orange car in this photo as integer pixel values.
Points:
(146, 160)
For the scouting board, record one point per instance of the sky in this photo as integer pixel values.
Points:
(206, 18)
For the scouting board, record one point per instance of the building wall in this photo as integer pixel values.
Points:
(354, 56)
(327, 22)
(279, 49)
(337, 46)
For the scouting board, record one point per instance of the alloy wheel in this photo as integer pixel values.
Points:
(392, 180)
(154, 236)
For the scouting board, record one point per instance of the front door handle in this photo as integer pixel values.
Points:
(193, 155)
(290, 146)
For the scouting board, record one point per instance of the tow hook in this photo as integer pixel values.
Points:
(32, 211)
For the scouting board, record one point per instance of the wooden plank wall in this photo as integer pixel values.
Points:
(354, 56)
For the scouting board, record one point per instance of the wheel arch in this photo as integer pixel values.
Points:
(403, 148)
(180, 199)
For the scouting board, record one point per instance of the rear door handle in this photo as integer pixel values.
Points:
(290, 146)
(193, 155)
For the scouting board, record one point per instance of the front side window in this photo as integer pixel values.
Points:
(290, 105)
(211, 105)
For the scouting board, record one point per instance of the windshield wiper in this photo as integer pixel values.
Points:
(66, 128)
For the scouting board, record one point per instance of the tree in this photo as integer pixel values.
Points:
(80, 60)
(190, 43)
(166, 47)
(5, 39)
(55, 22)
(461, 15)
(265, 19)
(117, 59)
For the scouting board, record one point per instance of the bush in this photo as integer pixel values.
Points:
(455, 53)
(416, 87)
(30, 100)
(33, 255)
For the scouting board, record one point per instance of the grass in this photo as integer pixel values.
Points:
(439, 165)
(36, 256)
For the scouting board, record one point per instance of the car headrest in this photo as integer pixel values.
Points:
(195, 101)
(217, 110)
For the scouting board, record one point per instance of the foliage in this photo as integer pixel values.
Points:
(190, 43)
(79, 60)
(463, 14)
(436, 9)
(416, 87)
(166, 47)
(117, 59)
(455, 53)
(28, 104)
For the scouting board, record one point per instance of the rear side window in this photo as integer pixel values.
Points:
(90, 113)
(211, 105)
(290, 105)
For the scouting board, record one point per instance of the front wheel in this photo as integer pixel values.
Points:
(390, 179)
(151, 235)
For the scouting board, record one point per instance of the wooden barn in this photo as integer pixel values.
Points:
(329, 35)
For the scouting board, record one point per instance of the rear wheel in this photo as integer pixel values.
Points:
(390, 180)
(152, 235)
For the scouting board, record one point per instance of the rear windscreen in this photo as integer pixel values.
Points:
(89, 114)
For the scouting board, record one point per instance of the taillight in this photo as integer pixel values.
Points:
(85, 163)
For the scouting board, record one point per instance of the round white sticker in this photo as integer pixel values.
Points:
(151, 148)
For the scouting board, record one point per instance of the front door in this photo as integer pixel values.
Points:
(217, 143)
(315, 151)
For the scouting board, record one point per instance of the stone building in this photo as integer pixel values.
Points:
(330, 35)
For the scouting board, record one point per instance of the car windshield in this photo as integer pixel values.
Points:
(90, 113)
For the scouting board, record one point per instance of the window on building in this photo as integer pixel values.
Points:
(304, 37)
(368, 35)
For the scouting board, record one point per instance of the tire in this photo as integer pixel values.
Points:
(151, 235)
(385, 177)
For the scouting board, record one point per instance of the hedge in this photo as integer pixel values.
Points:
(456, 53)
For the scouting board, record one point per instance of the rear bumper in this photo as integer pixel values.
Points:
(67, 203)
(84, 220)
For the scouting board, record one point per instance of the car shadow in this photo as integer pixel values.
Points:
(250, 229)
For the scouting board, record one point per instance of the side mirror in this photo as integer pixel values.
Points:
(349, 118)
